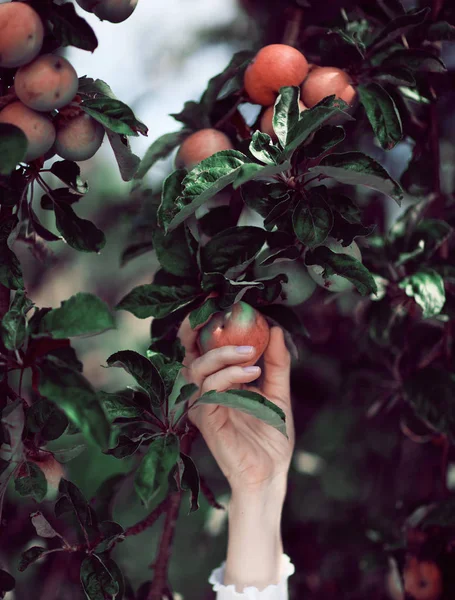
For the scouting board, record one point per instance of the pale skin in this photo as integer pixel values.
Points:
(253, 456)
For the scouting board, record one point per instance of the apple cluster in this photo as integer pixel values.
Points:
(45, 104)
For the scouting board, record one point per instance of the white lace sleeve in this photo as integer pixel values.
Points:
(271, 592)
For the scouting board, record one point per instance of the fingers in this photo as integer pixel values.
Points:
(221, 381)
(277, 367)
(217, 359)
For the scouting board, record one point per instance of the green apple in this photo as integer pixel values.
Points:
(299, 286)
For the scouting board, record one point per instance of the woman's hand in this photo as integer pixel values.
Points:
(251, 454)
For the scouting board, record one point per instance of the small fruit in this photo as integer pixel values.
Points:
(266, 123)
(49, 82)
(239, 325)
(78, 138)
(422, 579)
(273, 67)
(299, 287)
(114, 11)
(38, 129)
(21, 34)
(325, 81)
(335, 283)
(199, 146)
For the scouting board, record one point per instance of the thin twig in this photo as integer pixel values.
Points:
(292, 31)
(148, 521)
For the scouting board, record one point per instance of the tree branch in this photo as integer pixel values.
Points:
(149, 520)
(292, 31)
(160, 566)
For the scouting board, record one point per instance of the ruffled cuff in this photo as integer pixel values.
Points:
(272, 592)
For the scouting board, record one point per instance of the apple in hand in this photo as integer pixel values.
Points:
(239, 325)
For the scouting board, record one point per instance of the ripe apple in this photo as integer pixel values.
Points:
(239, 325)
(273, 67)
(22, 34)
(325, 81)
(199, 146)
(299, 287)
(422, 579)
(335, 283)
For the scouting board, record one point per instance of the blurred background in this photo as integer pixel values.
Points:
(162, 56)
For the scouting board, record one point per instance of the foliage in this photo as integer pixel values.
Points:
(391, 349)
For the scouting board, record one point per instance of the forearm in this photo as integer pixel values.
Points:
(255, 547)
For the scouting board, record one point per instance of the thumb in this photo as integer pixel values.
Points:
(277, 367)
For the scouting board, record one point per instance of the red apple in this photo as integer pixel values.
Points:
(53, 471)
(239, 325)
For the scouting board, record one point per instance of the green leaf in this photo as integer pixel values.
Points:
(47, 419)
(78, 233)
(30, 556)
(115, 115)
(250, 403)
(286, 113)
(440, 31)
(312, 218)
(144, 372)
(190, 481)
(427, 289)
(251, 171)
(31, 481)
(127, 447)
(356, 168)
(324, 139)
(160, 148)
(82, 314)
(218, 84)
(152, 474)
(234, 248)
(382, 114)
(97, 581)
(70, 173)
(65, 455)
(431, 392)
(202, 314)
(73, 502)
(262, 148)
(73, 393)
(312, 119)
(14, 323)
(397, 27)
(42, 526)
(205, 180)
(174, 252)
(111, 531)
(13, 147)
(344, 265)
(70, 29)
(127, 161)
(414, 60)
(152, 300)
(171, 191)
(120, 404)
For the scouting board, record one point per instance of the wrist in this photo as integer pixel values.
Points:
(255, 547)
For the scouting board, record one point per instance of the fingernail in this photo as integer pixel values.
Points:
(251, 369)
(244, 349)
